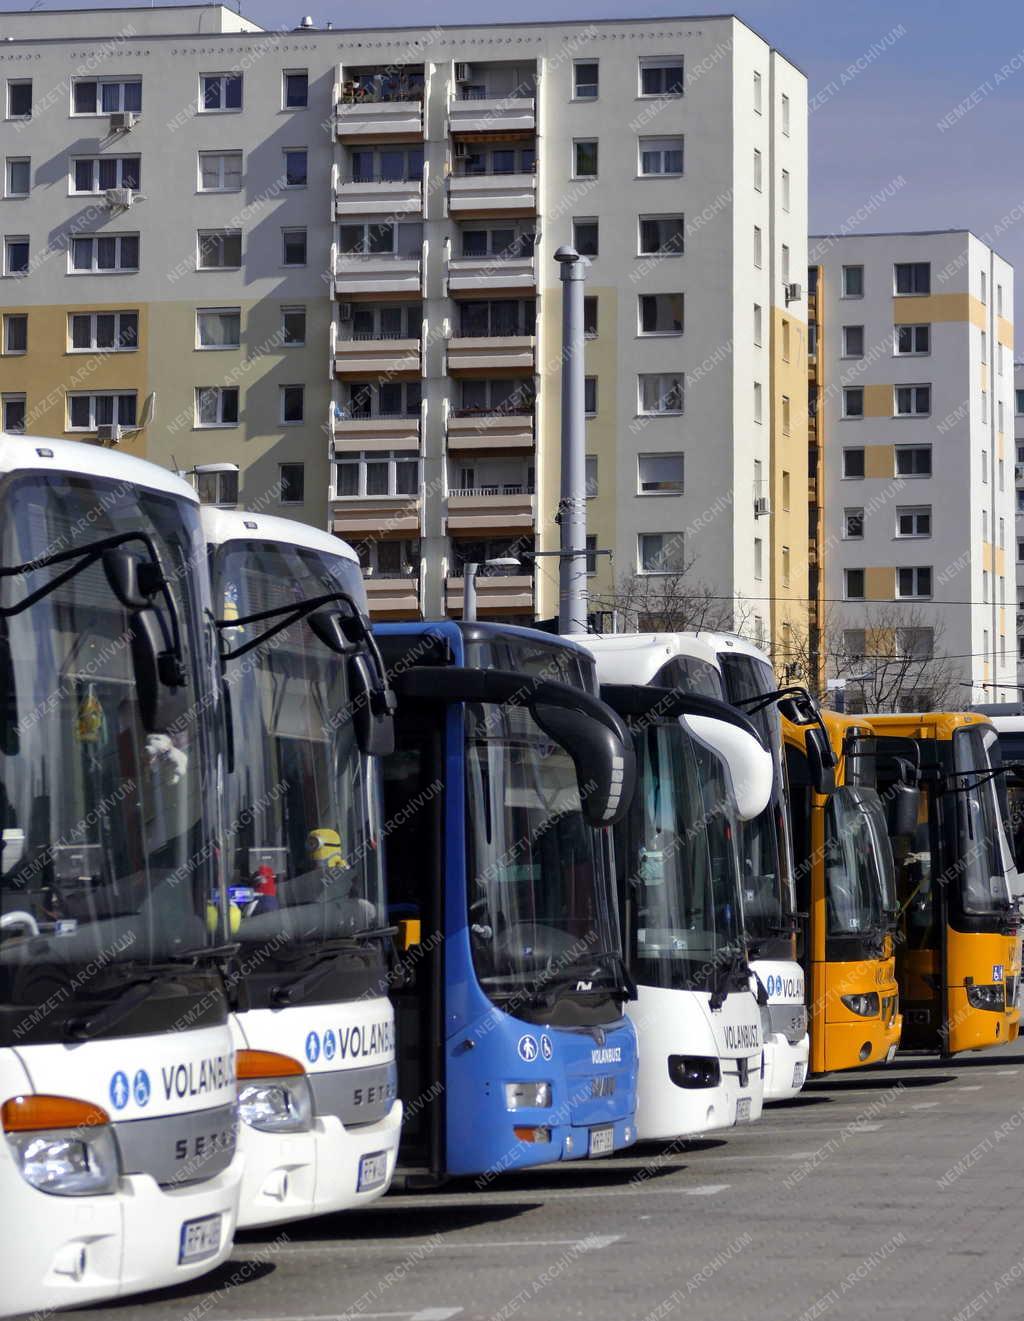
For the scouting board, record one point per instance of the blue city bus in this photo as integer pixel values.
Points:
(507, 774)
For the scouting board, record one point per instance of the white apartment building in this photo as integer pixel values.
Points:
(334, 250)
(917, 398)
(1018, 476)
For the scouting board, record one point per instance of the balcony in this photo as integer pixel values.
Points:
(510, 271)
(362, 356)
(378, 105)
(512, 593)
(496, 510)
(476, 196)
(368, 194)
(393, 597)
(479, 429)
(393, 431)
(474, 354)
(375, 515)
(471, 113)
(377, 273)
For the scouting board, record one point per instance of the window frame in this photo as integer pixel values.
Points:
(853, 512)
(914, 412)
(846, 353)
(576, 84)
(577, 144)
(587, 220)
(854, 449)
(916, 570)
(678, 490)
(913, 327)
(359, 460)
(222, 234)
(223, 77)
(913, 512)
(843, 286)
(5, 322)
(95, 161)
(295, 151)
(291, 309)
(294, 229)
(92, 346)
(220, 425)
(8, 397)
(221, 156)
(19, 240)
(293, 73)
(646, 62)
(644, 145)
(660, 376)
(9, 194)
(658, 216)
(660, 334)
(121, 82)
(286, 421)
(915, 267)
(291, 463)
(908, 449)
(92, 396)
(848, 391)
(12, 83)
(854, 596)
(221, 311)
(657, 573)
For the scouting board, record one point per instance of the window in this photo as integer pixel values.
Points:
(984, 287)
(785, 190)
(584, 158)
(661, 236)
(19, 98)
(855, 643)
(913, 277)
(984, 525)
(853, 462)
(378, 472)
(105, 252)
(95, 174)
(220, 171)
(584, 237)
(590, 395)
(785, 341)
(390, 559)
(853, 281)
(219, 249)
(912, 340)
(591, 475)
(661, 156)
(984, 347)
(584, 80)
(784, 263)
(785, 114)
(913, 400)
(914, 582)
(293, 245)
(14, 408)
(403, 398)
(293, 323)
(1020, 553)
(785, 566)
(785, 415)
(1000, 474)
(86, 412)
(661, 314)
(295, 89)
(758, 172)
(757, 93)
(15, 332)
(853, 401)
(758, 324)
(292, 482)
(106, 96)
(591, 555)
(388, 238)
(758, 402)
(984, 466)
(660, 474)
(999, 359)
(590, 316)
(914, 521)
(999, 300)
(218, 327)
(853, 524)
(660, 552)
(217, 488)
(395, 163)
(758, 247)
(758, 558)
(220, 92)
(17, 176)
(853, 584)
(116, 332)
(661, 76)
(1019, 404)
(853, 341)
(661, 393)
(785, 489)
(917, 643)
(405, 320)
(293, 404)
(216, 406)
(295, 167)
(1000, 416)
(16, 254)
(913, 460)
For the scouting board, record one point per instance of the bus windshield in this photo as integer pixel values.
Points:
(108, 848)
(539, 896)
(685, 879)
(303, 832)
(858, 882)
(983, 848)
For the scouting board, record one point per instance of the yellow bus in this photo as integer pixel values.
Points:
(958, 955)
(845, 884)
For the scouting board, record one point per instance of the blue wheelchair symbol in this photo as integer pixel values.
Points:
(140, 1088)
(329, 1046)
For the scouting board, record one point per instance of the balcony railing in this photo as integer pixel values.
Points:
(409, 176)
(469, 93)
(494, 332)
(462, 172)
(497, 488)
(393, 90)
(470, 112)
(526, 410)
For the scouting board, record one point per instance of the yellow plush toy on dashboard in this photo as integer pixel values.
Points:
(324, 847)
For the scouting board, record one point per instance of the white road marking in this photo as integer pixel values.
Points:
(705, 1190)
(925, 1105)
(593, 1242)
(424, 1314)
(865, 1128)
(975, 1087)
(1007, 1073)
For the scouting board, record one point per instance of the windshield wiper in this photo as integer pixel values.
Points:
(736, 967)
(294, 991)
(129, 997)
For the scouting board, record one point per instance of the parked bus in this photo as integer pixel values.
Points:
(1010, 729)
(701, 769)
(307, 709)
(507, 775)
(845, 884)
(118, 1169)
(958, 947)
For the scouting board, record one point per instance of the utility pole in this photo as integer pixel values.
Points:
(572, 505)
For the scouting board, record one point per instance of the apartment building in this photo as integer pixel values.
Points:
(327, 257)
(1018, 481)
(914, 353)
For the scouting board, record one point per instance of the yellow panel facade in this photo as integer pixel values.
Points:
(788, 468)
(879, 460)
(939, 307)
(878, 401)
(879, 583)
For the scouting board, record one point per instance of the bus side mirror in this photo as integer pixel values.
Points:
(129, 576)
(605, 766)
(330, 629)
(157, 672)
(820, 762)
(902, 809)
(750, 763)
(374, 729)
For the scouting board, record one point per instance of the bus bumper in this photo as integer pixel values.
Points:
(785, 1066)
(292, 1176)
(851, 1045)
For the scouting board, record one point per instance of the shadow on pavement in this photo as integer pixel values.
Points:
(383, 1220)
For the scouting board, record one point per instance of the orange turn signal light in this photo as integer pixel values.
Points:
(266, 1064)
(27, 1114)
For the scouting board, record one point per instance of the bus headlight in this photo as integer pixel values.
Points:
(693, 1071)
(61, 1146)
(865, 1005)
(527, 1095)
(273, 1092)
(991, 997)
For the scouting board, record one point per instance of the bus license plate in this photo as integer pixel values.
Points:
(743, 1110)
(602, 1141)
(799, 1071)
(199, 1239)
(373, 1171)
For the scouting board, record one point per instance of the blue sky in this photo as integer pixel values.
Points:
(868, 131)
